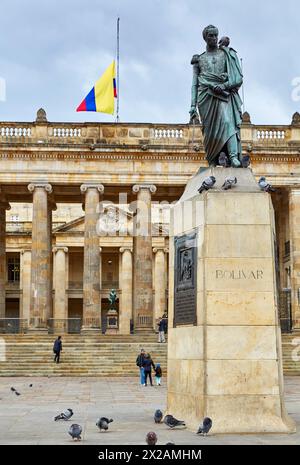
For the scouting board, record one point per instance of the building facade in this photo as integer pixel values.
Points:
(84, 208)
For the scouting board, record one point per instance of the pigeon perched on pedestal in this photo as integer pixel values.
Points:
(245, 161)
(205, 427)
(66, 415)
(75, 431)
(265, 186)
(207, 184)
(158, 416)
(103, 422)
(151, 438)
(172, 422)
(223, 160)
(229, 182)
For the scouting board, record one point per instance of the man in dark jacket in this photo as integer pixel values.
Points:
(57, 348)
(139, 363)
(161, 330)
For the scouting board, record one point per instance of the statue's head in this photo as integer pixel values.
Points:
(210, 35)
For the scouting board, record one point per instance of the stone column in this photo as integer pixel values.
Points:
(125, 278)
(294, 212)
(60, 284)
(142, 259)
(3, 207)
(40, 288)
(25, 270)
(159, 282)
(100, 279)
(91, 268)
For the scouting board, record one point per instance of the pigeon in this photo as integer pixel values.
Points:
(158, 416)
(223, 160)
(207, 184)
(170, 421)
(224, 41)
(75, 431)
(229, 182)
(151, 438)
(30, 385)
(13, 389)
(205, 427)
(265, 186)
(66, 415)
(17, 393)
(245, 161)
(102, 423)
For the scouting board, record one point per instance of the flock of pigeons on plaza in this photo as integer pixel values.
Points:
(231, 181)
(75, 430)
(102, 423)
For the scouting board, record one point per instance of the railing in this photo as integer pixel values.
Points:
(13, 325)
(91, 323)
(64, 325)
(270, 134)
(145, 321)
(168, 133)
(133, 133)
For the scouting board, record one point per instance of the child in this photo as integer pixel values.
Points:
(158, 374)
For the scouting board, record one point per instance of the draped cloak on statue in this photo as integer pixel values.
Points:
(221, 115)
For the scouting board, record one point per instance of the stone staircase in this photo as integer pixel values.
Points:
(32, 355)
(103, 355)
(291, 353)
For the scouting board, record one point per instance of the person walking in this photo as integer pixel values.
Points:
(57, 348)
(147, 365)
(139, 363)
(158, 374)
(161, 330)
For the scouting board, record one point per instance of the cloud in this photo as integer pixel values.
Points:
(55, 52)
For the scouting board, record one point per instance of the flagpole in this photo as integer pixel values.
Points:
(118, 68)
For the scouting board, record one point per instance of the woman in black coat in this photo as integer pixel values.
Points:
(147, 364)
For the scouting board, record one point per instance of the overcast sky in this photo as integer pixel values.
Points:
(52, 53)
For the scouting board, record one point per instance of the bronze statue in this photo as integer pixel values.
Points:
(217, 77)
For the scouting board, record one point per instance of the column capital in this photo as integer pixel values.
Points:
(124, 248)
(60, 247)
(160, 249)
(33, 185)
(84, 187)
(137, 187)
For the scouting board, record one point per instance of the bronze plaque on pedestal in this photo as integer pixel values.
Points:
(185, 279)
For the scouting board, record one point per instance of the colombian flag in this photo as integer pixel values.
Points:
(101, 97)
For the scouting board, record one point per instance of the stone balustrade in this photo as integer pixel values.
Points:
(97, 135)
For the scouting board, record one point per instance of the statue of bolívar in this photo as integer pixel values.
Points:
(217, 77)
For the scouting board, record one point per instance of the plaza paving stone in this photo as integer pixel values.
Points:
(28, 418)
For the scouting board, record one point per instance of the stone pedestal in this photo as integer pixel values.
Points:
(225, 347)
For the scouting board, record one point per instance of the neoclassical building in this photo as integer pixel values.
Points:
(84, 208)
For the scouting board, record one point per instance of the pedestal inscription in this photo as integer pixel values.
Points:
(185, 288)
